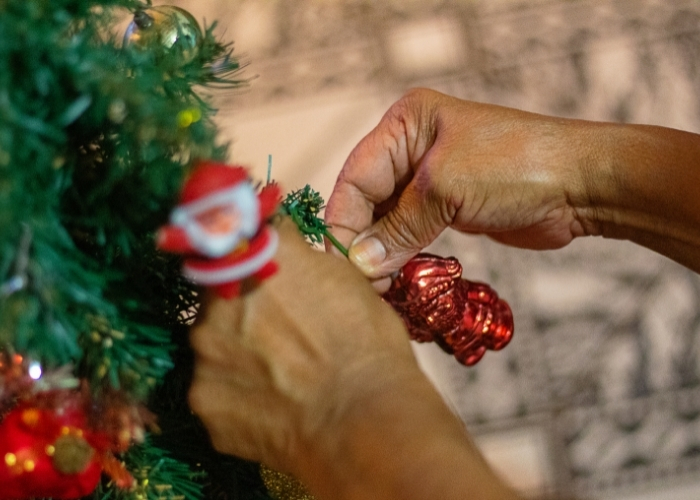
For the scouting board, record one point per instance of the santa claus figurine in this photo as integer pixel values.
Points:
(221, 227)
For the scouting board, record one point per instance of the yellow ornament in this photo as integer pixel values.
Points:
(282, 486)
(167, 28)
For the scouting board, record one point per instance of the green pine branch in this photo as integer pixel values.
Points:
(304, 207)
(157, 476)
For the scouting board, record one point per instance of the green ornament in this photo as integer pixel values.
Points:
(165, 28)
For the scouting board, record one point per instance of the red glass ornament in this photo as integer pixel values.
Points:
(28, 441)
(465, 318)
(49, 449)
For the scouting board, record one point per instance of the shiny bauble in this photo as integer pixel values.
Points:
(165, 28)
(465, 318)
(46, 450)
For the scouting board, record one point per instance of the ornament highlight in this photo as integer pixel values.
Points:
(221, 227)
(167, 28)
(465, 318)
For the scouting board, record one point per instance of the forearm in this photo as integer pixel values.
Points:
(642, 183)
(405, 445)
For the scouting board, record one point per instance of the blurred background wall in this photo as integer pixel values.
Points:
(598, 394)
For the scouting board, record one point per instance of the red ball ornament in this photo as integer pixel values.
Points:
(46, 451)
(221, 227)
(465, 318)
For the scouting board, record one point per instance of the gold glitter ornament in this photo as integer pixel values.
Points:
(71, 454)
(282, 486)
(165, 27)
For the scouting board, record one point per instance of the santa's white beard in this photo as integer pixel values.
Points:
(212, 245)
(242, 198)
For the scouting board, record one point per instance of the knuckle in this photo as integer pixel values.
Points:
(195, 399)
(404, 229)
(218, 444)
(419, 94)
(200, 340)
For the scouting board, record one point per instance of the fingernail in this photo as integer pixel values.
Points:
(367, 254)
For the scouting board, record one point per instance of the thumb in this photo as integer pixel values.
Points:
(406, 229)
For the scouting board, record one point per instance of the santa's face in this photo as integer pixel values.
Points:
(218, 223)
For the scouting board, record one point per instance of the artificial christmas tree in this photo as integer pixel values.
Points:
(98, 129)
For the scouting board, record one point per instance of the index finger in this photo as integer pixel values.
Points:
(376, 169)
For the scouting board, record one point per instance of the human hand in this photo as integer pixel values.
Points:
(312, 374)
(277, 369)
(435, 161)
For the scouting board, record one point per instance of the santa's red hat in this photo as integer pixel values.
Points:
(209, 177)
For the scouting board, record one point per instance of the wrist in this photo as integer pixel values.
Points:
(637, 183)
(592, 184)
(399, 440)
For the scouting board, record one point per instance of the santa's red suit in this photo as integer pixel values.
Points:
(220, 225)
